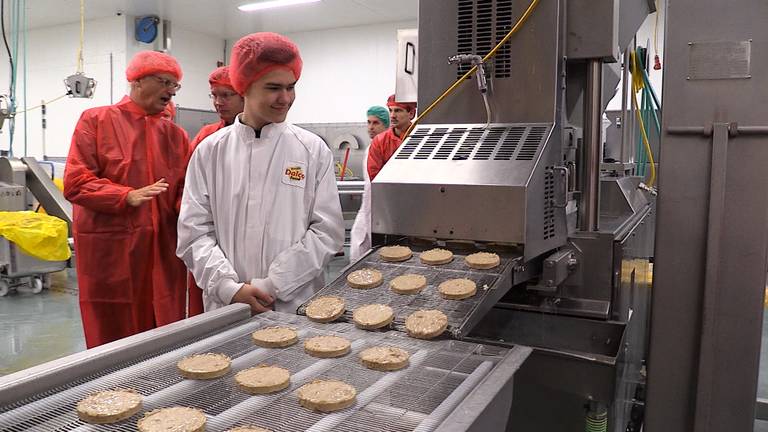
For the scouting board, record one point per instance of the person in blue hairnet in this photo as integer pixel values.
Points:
(378, 121)
(360, 236)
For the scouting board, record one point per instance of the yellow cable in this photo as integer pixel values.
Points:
(635, 88)
(44, 103)
(82, 38)
(488, 56)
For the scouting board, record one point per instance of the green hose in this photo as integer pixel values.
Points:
(597, 421)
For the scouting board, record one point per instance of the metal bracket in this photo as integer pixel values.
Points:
(733, 130)
(563, 171)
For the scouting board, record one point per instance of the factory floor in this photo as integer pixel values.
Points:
(36, 328)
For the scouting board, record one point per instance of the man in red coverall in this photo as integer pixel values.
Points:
(124, 175)
(226, 100)
(386, 143)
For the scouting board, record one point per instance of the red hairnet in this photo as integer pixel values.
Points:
(408, 106)
(152, 62)
(258, 53)
(220, 77)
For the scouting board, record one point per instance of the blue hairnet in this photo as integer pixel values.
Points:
(380, 112)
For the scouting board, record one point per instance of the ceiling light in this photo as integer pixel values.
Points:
(250, 7)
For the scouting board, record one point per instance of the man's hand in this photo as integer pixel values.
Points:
(138, 197)
(258, 300)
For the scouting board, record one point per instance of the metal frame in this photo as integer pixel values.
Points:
(27, 382)
(707, 309)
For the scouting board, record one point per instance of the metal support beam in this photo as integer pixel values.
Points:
(712, 236)
(589, 206)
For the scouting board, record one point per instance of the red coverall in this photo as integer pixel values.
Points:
(129, 277)
(204, 132)
(383, 146)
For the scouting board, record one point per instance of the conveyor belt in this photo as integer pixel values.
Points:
(462, 314)
(441, 375)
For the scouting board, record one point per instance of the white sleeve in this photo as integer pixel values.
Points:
(305, 260)
(197, 244)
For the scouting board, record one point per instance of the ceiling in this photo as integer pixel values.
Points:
(222, 18)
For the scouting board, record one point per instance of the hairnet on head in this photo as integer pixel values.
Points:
(258, 53)
(152, 62)
(408, 106)
(220, 77)
(380, 112)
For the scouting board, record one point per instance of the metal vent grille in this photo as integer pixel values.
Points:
(481, 24)
(532, 142)
(468, 146)
(549, 209)
(500, 142)
(450, 144)
(429, 146)
(465, 38)
(412, 143)
(509, 144)
(503, 60)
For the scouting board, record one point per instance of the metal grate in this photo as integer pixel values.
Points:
(433, 139)
(509, 143)
(450, 144)
(465, 36)
(412, 143)
(549, 208)
(503, 60)
(532, 143)
(481, 24)
(468, 145)
(457, 311)
(500, 142)
(414, 398)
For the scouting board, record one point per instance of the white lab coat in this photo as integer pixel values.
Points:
(260, 210)
(360, 235)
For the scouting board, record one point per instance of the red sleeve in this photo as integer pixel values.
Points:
(203, 134)
(375, 156)
(196, 140)
(189, 149)
(82, 182)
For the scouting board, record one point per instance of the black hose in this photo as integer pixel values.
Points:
(5, 39)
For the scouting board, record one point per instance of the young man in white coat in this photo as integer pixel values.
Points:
(260, 216)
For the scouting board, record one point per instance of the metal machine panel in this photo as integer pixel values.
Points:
(46, 192)
(495, 185)
(594, 34)
(523, 85)
(443, 377)
(709, 283)
(192, 120)
(11, 197)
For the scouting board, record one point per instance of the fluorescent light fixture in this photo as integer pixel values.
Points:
(270, 4)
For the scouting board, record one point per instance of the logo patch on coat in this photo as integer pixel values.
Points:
(295, 174)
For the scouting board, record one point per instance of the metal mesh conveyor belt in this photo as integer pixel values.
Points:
(459, 312)
(440, 375)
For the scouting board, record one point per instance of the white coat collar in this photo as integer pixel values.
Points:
(269, 131)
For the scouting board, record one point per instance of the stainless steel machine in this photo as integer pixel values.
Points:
(24, 183)
(522, 176)
(448, 385)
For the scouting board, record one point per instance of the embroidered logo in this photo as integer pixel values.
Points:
(295, 173)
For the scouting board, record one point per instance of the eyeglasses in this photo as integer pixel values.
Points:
(171, 85)
(215, 96)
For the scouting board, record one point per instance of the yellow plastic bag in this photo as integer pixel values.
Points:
(39, 235)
